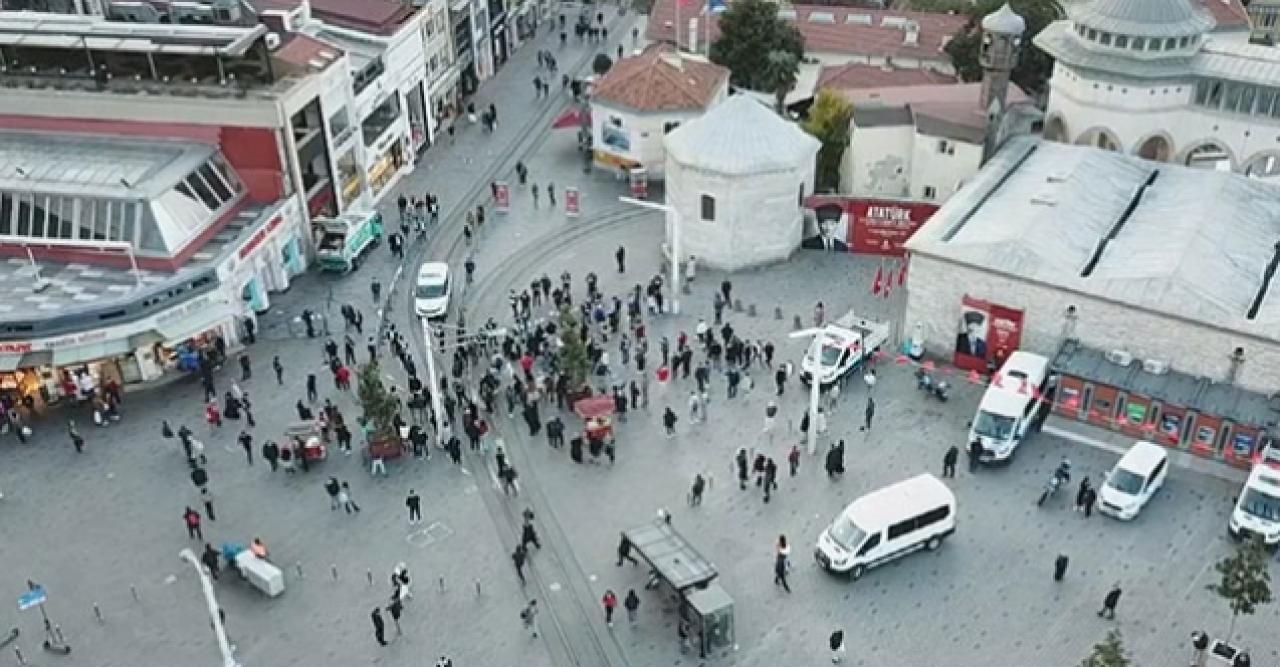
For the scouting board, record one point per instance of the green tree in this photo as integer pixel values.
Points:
(781, 70)
(1034, 66)
(1108, 653)
(1245, 583)
(601, 64)
(379, 405)
(573, 353)
(828, 122)
(750, 30)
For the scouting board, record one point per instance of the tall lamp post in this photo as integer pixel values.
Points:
(437, 404)
(815, 382)
(675, 244)
(228, 660)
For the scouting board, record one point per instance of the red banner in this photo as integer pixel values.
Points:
(858, 224)
(502, 197)
(986, 335)
(571, 203)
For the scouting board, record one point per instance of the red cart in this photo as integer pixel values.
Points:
(597, 415)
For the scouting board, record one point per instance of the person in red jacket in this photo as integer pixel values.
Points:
(192, 518)
(610, 603)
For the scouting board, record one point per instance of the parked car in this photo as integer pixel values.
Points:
(431, 294)
(917, 513)
(1134, 480)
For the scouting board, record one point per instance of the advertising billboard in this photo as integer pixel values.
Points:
(860, 224)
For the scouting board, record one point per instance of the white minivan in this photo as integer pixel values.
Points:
(1257, 510)
(1135, 479)
(888, 523)
(1011, 405)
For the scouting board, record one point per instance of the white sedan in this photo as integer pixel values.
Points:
(431, 294)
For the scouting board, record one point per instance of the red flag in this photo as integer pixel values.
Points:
(877, 285)
(888, 282)
(902, 273)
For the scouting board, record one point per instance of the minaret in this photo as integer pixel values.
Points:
(1001, 41)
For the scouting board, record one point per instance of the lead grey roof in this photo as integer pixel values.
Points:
(1143, 18)
(1195, 245)
(741, 136)
(1004, 20)
(96, 165)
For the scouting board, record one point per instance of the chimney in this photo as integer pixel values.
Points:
(911, 33)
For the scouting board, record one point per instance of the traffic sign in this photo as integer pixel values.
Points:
(31, 598)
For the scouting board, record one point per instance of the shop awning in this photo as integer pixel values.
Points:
(179, 330)
(63, 356)
(144, 339)
(575, 116)
(10, 362)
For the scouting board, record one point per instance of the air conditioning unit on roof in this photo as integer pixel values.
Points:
(1119, 357)
(1156, 366)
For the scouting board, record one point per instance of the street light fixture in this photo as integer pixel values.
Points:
(437, 404)
(674, 216)
(815, 382)
(228, 660)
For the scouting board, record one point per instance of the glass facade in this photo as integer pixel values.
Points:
(163, 224)
(1238, 98)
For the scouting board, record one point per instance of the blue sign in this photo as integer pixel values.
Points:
(31, 598)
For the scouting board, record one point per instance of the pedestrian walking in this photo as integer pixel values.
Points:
(624, 551)
(210, 560)
(246, 441)
(1090, 497)
(632, 605)
(621, 256)
(192, 519)
(1080, 493)
(394, 609)
(610, 602)
(740, 461)
(869, 379)
(344, 497)
(518, 557)
(530, 617)
(975, 455)
(375, 288)
(793, 459)
(551, 194)
(206, 497)
(379, 629)
(1110, 601)
(695, 493)
(836, 644)
(780, 571)
(1060, 567)
(414, 502)
(869, 413)
(279, 369)
(669, 420)
(949, 461)
(246, 370)
(780, 378)
(271, 452)
(333, 487)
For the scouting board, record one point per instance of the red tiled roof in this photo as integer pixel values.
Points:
(379, 17)
(304, 51)
(660, 79)
(835, 36)
(858, 75)
(1228, 13)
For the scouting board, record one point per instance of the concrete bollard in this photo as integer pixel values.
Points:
(368, 574)
(477, 588)
(97, 612)
(737, 305)
(751, 310)
(333, 569)
(134, 589)
(777, 313)
(441, 580)
(797, 323)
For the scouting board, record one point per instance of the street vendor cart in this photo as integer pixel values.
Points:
(311, 434)
(597, 416)
(260, 572)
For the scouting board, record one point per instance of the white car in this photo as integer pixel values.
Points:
(1135, 479)
(844, 344)
(431, 294)
(1257, 510)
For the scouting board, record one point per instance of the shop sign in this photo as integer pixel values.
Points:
(1170, 424)
(182, 311)
(1136, 412)
(76, 339)
(571, 202)
(502, 196)
(1242, 443)
(17, 347)
(260, 236)
(875, 226)
(988, 333)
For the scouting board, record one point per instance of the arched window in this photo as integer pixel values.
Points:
(708, 212)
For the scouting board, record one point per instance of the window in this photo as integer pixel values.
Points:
(946, 147)
(901, 528)
(1184, 42)
(215, 182)
(202, 191)
(1202, 92)
(1247, 95)
(1262, 105)
(1170, 44)
(6, 213)
(1159, 470)
(708, 208)
(930, 192)
(1138, 43)
(1093, 35)
(1106, 39)
(1232, 97)
(871, 543)
(669, 126)
(1215, 94)
(933, 516)
(228, 174)
(1122, 41)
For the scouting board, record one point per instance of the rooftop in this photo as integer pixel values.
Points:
(854, 76)
(307, 53)
(831, 29)
(1083, 219)
(1146, 18)
(60, 31)
(1229, 15)
(661, 79)
(946, 110)
(95, 165)
(741, 136)
(379, 17)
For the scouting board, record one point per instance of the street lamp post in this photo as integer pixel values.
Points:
(815, 383)
(437, 404)
(675, 244)
(228, 660)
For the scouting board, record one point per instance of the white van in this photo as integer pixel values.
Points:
(1135, 479)
(1257, 511)
(1010, 406)
(888, 523)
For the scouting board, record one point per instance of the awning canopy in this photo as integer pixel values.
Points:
(179, 330)
(675, 560)
(10, 362)
(575, 116)
(64, 356)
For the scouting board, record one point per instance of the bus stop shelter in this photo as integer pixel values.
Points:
(704, 607)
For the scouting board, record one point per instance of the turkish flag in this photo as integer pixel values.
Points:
(877, 285)
(888, 282)
(902, 274)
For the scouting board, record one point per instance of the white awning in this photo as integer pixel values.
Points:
(63, 356)
(179, 330)
(10, 362)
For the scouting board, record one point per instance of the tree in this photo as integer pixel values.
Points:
(601, 64)
(379, 405)
(749, 31)
(573, 354)
(1246, 582)
(828, 122)
(781, 70)
(1108, 653)
(1034, 66)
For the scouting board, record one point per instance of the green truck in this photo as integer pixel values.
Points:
(345, 238)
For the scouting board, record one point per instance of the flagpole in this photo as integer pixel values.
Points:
(706, 28)
(677, 25)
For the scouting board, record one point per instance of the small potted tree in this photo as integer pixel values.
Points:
(380, 408)
(574, 362)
